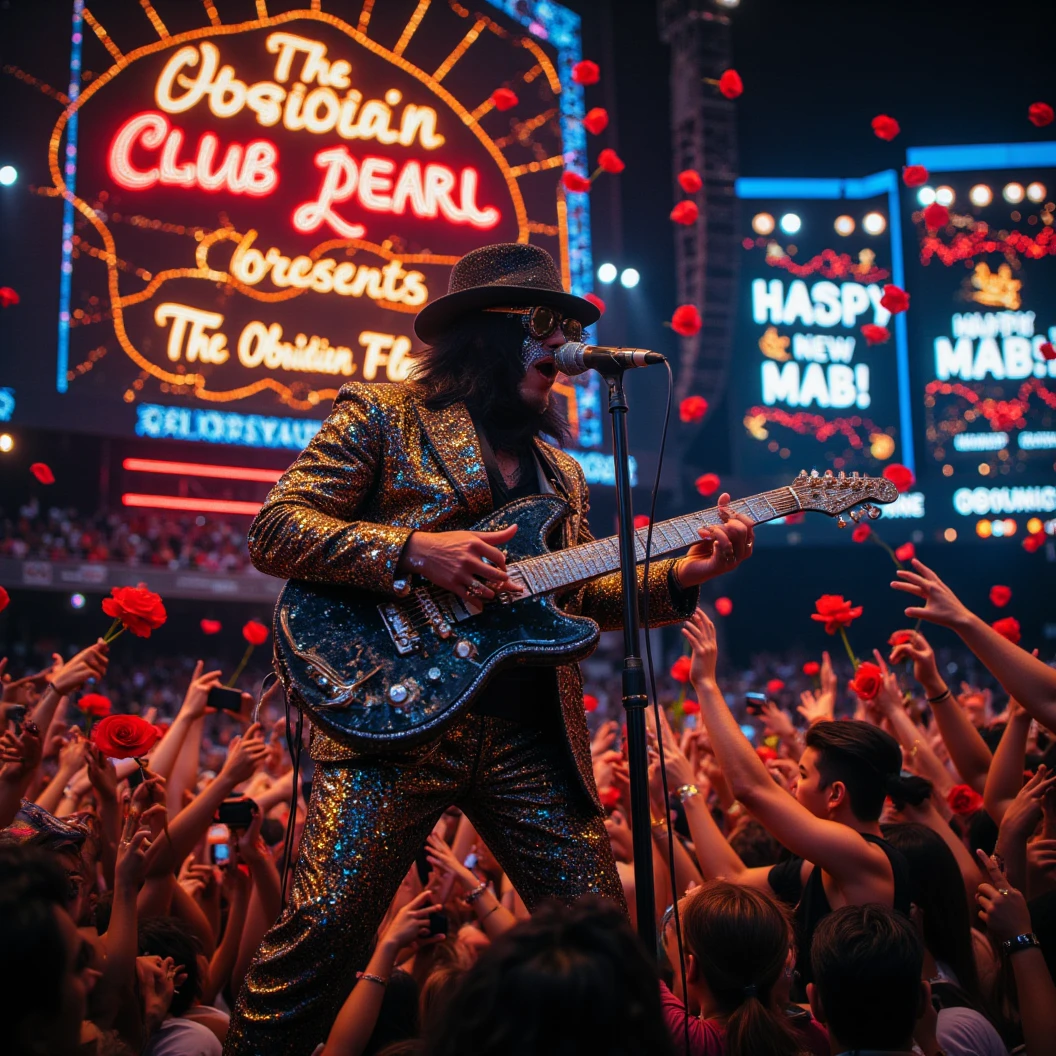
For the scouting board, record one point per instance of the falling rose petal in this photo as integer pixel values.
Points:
(895, 299)
(707, 483)
(575, 183)
(685, 212)
(42, 471)
(774, 686)
(936, 216)
(690, 707)
(731, 85)
(590, 702)
(689, 180)
(875, 335)
(586, 72)
(686, 321)
(723, 606)
(610, 161)
(885, 127)
(811, 668)
(1033, 543)
(8, 297)
(692, 408)
(861, 533)
(906, 552)
(914, 175)
(596, 121)
(901, 476)
(255, 632)
(1000, 596)
(640, 521)
(1040, 114)
(210, 626)
(504, 98)
(1047, 351)
(5, 599)
(596, 301)
(1008, 628)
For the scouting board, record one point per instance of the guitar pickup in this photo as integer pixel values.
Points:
(401, 629)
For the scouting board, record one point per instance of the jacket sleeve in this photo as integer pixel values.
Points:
(307, 527)
(602, 598)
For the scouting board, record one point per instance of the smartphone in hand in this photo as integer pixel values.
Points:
(753, 703)
(223, 699)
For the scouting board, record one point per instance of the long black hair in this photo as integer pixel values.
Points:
(477, 361)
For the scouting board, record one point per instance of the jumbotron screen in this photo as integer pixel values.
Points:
(253, 209)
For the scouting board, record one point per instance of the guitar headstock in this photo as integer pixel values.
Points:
(835, 494)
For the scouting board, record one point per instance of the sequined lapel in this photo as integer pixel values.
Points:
(454, 439)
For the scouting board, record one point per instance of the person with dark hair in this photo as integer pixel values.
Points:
(390, 489)
(574, 981)
(867, 989)
(739, 949)
(832, 823)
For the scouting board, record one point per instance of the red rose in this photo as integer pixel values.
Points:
(795, 518)
(641, 521)
(906, 552)
(723, 606)
(690, 707)
(5, 599)
(685, 212)
(900, 638)
(575, 183)
(1039, 114)
(936, 216)
(255, 632)
(125, 736)
(867, 680)
(835, 612)
(596, 120)
(680, 669)
(8, 297)
(689, 180)
(596, 301)
(1008, 628)
(590, 702)
(766, 753)
(1046, 350)
(686, 321)
(885, 127)
(1033, 543)
(963, 799)
(95, 704)
(42, 471)
(901, 476)
(707, 483)
(504, 99)
(210, 626)
(730, 84)
(1000, 596)
(861, 533)
(586, 72)
(692, 408)
(812, 668)
(875, 335)
(610, 797)
(610, 161)
(895, 300)
(139, 610)
(914, 175)
(774, 686)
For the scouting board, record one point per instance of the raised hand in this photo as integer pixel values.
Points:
(101, 773)
(88, 663)
(251, 845)
(411, 923)
(1002, 908)
(469, 564)
(132, 850)
(245, 755)
(940, 606)
(925, 669)
(816, 707)
(699, 631)
(197, 695)
(605, 738)
(889, 696)
(777, 721)
(1024, 812)
(721, 549)
(20, 754)
(442, 858)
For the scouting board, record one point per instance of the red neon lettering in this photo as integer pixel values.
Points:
(249, 170)
(429, 192)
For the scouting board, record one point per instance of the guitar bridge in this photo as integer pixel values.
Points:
(400, 627)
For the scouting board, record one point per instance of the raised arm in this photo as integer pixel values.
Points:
(1006, 773)
(1024, 677)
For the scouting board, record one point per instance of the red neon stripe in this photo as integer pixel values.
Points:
(198, 469)
(174, 502)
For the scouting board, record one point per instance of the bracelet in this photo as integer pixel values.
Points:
(489, 912)
(942, 696)
(370, 978)
(1027, 941)
(686, 791)
(475, 893)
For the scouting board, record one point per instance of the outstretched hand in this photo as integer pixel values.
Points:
(940, 606)
(699, 631)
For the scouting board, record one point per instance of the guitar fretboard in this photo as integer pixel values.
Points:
(564, 568)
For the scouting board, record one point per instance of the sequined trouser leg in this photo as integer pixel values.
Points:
(366, 822)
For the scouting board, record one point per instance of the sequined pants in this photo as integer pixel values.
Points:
(366, 822)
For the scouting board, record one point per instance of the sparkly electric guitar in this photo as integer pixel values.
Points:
(379, 672)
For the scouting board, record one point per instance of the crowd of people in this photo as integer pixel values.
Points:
(874, 870)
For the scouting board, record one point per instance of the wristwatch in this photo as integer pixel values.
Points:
(685, 792)
(1027, 941)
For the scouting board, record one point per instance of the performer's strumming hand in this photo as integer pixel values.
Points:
(468, 564)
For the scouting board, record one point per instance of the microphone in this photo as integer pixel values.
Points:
(575, 358)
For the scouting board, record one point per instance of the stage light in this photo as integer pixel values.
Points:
(950, 535)
(874, 223)
(199, 469)
(7, 442)
(763, 224)
(1036, 191)
(980, 195)
(944, 195)
(997, 529)
(790, 223)
(844, 225)
(728, 3)
(176, 502)
(983, 529)
(1010, 527)
(984, 469)
(1034, 525)
(607, 273)
(629, 277)
(77, 601)
(926, 195)
(8, 175)
(1013, 193)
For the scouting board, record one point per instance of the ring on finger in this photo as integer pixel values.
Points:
(475, 590)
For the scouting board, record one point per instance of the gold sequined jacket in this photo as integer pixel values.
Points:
(384, 465)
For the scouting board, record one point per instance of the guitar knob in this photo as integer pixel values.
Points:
(401, 587)
(841, 522)
(434, 674)
(465, 649)
(398, 693)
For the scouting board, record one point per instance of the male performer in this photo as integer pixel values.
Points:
(387, 489)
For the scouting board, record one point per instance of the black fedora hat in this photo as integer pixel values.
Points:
(510, 273)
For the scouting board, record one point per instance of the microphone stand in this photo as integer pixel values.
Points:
(635, 699)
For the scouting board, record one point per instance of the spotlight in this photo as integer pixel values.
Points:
(728, 3)
(790, 223)
(926, 195)
(7, 442)
(844, 225)
(1034, 525)
(607, 273)
(77, 601)
(874, 223)
(944, 195)
(1013, 193)
(763, 224)
(629, 277)
(950, 535)
(1036, 191)
(8, 175)
(980, 195)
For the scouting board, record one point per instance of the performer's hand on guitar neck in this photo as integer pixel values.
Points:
(723, 547)
(466, 563)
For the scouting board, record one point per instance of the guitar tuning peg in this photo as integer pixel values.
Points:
(841, 522)
(873, 512)
(856, 515)
(829, 474)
